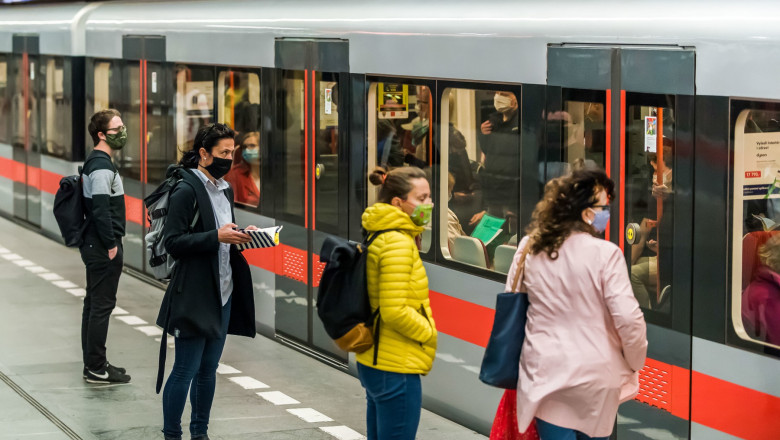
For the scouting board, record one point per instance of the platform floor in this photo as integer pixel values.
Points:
(43, 396)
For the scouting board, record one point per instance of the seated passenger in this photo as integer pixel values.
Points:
(244, 176)
(454, 228)
(761, 299)
(644, 268)
(651, 258)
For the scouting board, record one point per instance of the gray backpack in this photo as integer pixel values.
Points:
(160, 261)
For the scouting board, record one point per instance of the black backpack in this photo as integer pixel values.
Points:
(69, 210)
(342, 300)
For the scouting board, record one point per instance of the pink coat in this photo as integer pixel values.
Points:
(585, 336)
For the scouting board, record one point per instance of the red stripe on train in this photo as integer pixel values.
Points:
(49, 182)
(734, 409)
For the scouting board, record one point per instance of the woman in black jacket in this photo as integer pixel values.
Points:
(210, 294)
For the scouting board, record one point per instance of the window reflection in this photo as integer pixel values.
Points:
(650, 203)
(399, 133)
(326, 151)
(481, 151)
(56, 108)
(194, 103)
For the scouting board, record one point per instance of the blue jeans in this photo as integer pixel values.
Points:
(548, 431)
(194, 371)
(394, 403)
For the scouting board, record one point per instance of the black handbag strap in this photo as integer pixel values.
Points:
(163, 347)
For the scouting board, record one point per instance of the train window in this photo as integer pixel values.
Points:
(5, 100)
(239, 107)
(104, 92)
(292, 166)
(326, 151)
(399, 133)
(56, 107)
(649, 201)
(755, 299)
(480, 177)
(194, 103)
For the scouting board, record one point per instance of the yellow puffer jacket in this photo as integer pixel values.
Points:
(398, 286)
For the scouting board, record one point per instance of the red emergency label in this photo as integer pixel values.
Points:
(752, 174)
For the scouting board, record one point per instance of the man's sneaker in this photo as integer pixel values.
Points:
(109, 374)
(120, 369)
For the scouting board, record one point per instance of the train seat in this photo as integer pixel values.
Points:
(502, 260)
(470, 250)
(425, 240)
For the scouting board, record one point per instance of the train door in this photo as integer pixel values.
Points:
(25, 128)
(310, 173)
(145, 107)
(629, 110)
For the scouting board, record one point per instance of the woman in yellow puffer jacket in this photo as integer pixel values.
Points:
(398, 287)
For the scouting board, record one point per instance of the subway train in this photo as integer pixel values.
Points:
(677, 101)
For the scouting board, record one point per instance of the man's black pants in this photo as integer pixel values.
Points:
(102, 283)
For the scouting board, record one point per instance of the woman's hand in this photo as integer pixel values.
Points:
(477, 217)
(226, 234)
(251, 228)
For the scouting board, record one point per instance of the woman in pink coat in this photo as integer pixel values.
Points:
(585, 335)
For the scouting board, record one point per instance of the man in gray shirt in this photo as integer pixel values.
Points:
(104, 204)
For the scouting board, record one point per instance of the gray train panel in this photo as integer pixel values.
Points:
(736, 366)
(264, 282)
(459, 40)
(61, 28)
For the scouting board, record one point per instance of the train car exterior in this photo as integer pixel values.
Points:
(678, 102)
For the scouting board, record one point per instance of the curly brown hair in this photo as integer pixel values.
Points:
(559, 213)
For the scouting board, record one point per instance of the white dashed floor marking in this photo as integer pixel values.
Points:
(36, 269)
(77, 292)
(278, 398)
(131, 320)
(343, 432)
(248, 383)
(309, 415)
(227, 369)
(171, 341)
(149, 330)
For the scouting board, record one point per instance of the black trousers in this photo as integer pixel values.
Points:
(102, 283)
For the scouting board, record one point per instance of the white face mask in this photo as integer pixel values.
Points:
(502, 103)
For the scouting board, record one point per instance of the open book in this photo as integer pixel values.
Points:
(261, 238)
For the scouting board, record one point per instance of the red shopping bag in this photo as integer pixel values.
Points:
(505, 423)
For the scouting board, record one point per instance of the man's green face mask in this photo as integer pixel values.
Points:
(117, 140)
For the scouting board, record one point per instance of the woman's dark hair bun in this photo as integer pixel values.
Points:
(377, 176)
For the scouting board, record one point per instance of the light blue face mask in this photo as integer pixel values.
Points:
(600, 220)
(251, 155)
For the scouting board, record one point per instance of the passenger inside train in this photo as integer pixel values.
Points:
(761, 298)
(244, 176)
